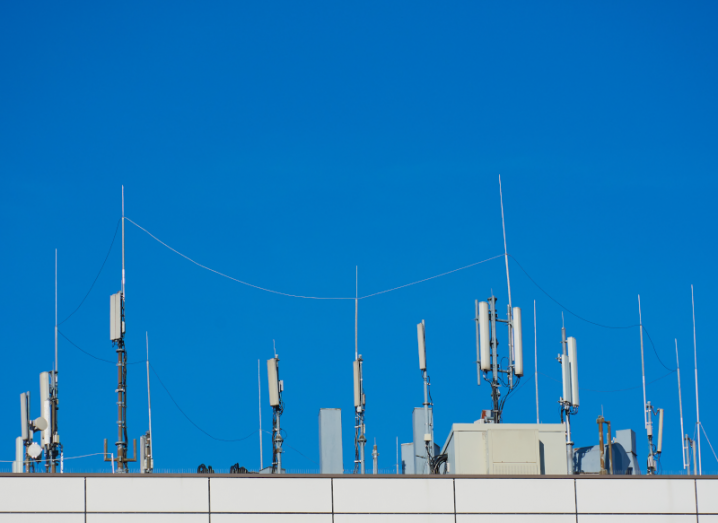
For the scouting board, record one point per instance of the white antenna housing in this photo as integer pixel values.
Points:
(573, 364)
(659, 445)
(25, 416)
(358, 400)
(566, 375)
(484, 336)
(46, 407)
(421, 335)
(116, 325)
(518, 343)
(273, 381)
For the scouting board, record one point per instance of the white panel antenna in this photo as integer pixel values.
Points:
(566, 375)
(421, 335)
(484, 336)
(573, 364)
(659, 445)
(273, 381)
(25, 416)
(518, 343)
(116, 325)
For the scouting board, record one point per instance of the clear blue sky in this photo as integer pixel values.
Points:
(285, 144)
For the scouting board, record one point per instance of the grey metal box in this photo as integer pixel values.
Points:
(330, 441)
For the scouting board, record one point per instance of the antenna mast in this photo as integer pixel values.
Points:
(55, 441)
(276, 386)
(508, 284)
(428, 406)
(648, 411)
(149, 456)
(680, 406)
(259, 396)
(117, 336)
(536, 366)
(359, 397)
(695, 359)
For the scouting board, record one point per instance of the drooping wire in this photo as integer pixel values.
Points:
(298, 295)
(655, 351)
(96, 277)
(190, 419)
(566, 308)
(92, 355)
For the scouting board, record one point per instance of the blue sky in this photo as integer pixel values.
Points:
(286, 144)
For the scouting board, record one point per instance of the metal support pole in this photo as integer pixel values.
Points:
(695, 359)
(375, 458)
(680, 407)
(599, 421)
(259, 395)
(610, 449)
(648, 423)
(536, 366)
(495, 361)
(150, 458)
(569, 443)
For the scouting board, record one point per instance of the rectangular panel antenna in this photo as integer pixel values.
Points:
(484, 336)
(421, 335)
(116, 316)
(518, 343)
(357, 384)
(273, 381)
(573, 363)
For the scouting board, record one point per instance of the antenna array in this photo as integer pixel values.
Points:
(276, 387)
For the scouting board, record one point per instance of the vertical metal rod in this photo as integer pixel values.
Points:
(569, 443)
(536, 366)
(259, 396)
(495, 361)
(693, 446)
(149, 404)
(478, 351)
(680, 406)
(55, 402)
(600, 446)
(506, 252)
(695, 359)
(397, 455)
(610, 449)
(643, 365)
(123, 241)
(56, 368)
(356, 317)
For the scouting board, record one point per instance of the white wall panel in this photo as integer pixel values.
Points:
(148, 518)
(393, 518)
(38, 494)
(42, 518)
(637, 518)
(271, 494)
(148, 494)
(271, 518)
(518, 518)
(707, 490)
(515, 495)
(385, 495)
(630, 496)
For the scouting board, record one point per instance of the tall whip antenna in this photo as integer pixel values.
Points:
(259, 386)
(680, 407)
(695, 359)
(506, 252)
(150, 458)
(536, 366)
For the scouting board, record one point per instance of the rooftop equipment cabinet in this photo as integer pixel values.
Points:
(330, 441)
(506, 448)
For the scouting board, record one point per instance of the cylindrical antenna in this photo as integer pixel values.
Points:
(357, 383)
(536, 366)
(421, 335)
(356, 316)
(259, 395)
(695, 359)
(659, 445)
(149, 403)
(478, 350)
(573, 363)
(273, 381)
(485, 336)
(565, 369)
(680, 406)
(518, 339)
(24, 417)
(506, 252)
(643, 365)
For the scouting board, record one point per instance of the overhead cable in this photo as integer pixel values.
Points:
(353, 298)
(96, 277)
(190, 419)
(611, 390)
(92, 355)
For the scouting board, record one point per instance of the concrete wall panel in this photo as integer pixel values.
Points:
(707, 490)
(38, 494)
(637, 518)
(517, 518)
(150, 494)
(387, 496)
(271, 518)
(42, 518)
(148, 518)
(393, 518)
(631, 496)
(271, 494)
(515, 496)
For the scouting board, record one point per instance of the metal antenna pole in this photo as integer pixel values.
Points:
(55, 402)
(397, 455)
(428, 436)
(506, 252)
(259, 395)
(356, 316)
(495, 361)
(508, 284)
(680, 406)
(150, 461)
(648, 422)
(695, 360)
(566, 403)
(536, 366)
